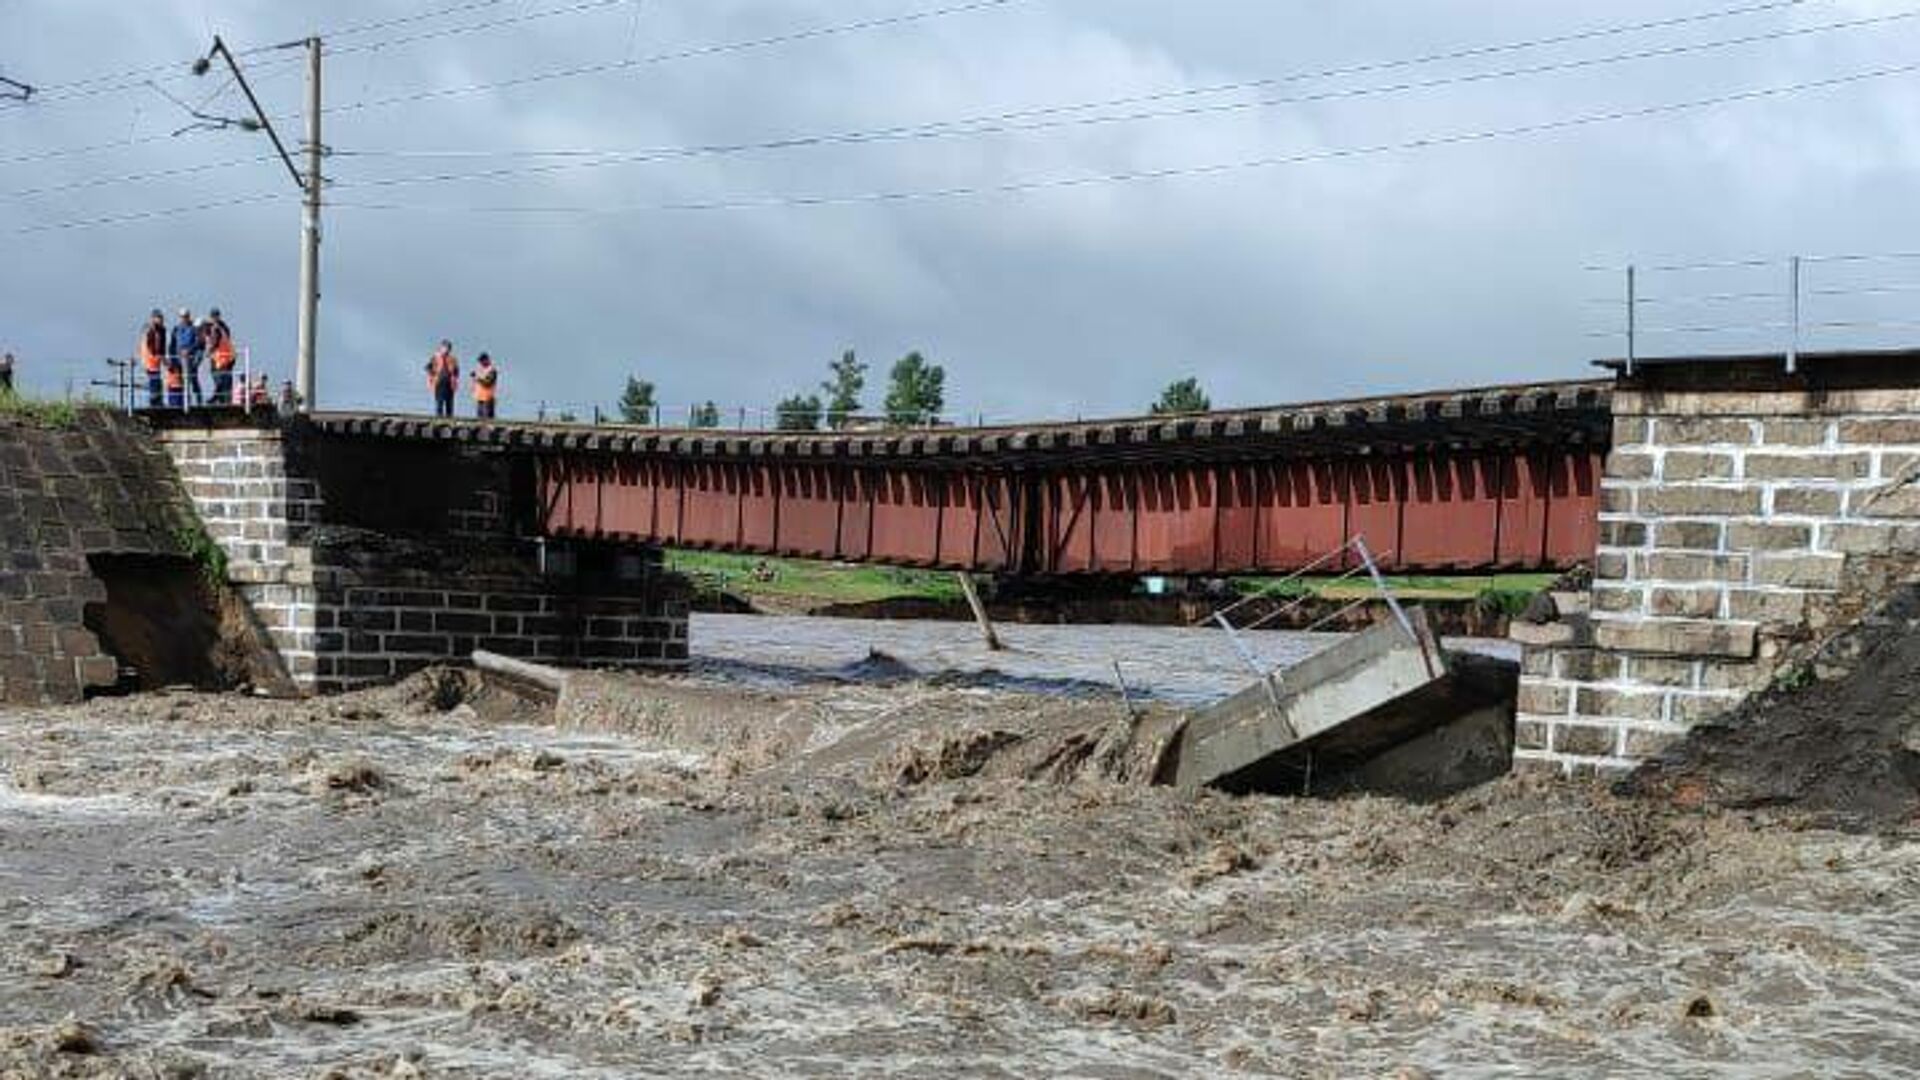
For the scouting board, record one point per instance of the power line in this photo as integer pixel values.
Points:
(1134, 176)
(132, 178)
(991, 126)
(691, 53)
(137, 79)
(659, 58)
(336, 32)
(148, 215)
(1062, 183)
(580, 7)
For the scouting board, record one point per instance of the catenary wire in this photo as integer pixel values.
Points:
(659, 58)
(135, 83)
(990, 126)
(1065, 183)
(1139, 175)
(335, 32)
(136, 80)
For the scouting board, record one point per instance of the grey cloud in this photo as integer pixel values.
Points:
(1450, 266)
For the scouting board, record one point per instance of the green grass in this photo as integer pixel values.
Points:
(797, 580)
(800, 579)
(1495, 588)
(52, 414)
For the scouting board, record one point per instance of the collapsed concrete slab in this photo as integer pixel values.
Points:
(1387, 710)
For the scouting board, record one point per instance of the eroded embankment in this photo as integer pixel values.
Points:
(916, 879)
(1835, 741)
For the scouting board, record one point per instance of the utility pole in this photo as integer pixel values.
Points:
(311, 184)
(310, 237)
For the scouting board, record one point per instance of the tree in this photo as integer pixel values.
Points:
(1184, 396)
(843, 390)
(916, 391)
(799, 414)
(637, 405)
(705, 416)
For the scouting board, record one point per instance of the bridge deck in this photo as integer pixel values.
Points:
(1501, 477)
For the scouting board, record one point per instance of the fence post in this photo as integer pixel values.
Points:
(1633, 314)
(1793, 292)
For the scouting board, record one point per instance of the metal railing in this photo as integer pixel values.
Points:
(136, 387)
(1774, 302)
(1368, 564)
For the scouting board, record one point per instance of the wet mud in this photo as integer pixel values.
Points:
(1836, 741)
(678, 877)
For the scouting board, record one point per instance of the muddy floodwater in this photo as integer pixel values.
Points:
(905, 877)
(1181, 666)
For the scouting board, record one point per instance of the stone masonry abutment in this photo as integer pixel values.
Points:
(367, 559)
(1746, 515)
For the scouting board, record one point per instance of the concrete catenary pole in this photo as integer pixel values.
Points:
(310, 239)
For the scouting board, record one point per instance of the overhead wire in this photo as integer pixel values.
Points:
(1139, 175)
(1006, 122)
(690, 53)
(148, 215)
(993, 126)
(137, 79)
(630, 62)
(1064, 183)
(577, 8)
(335, 32)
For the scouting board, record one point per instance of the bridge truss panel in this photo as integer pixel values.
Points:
(1433, 510)
(810, 500)
(1452, 516)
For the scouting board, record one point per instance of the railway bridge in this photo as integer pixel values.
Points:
(1503, 477)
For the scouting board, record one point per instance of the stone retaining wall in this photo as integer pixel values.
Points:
(1736, 528)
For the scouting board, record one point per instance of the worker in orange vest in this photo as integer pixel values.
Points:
(176, 370)
(486, 387)
(443, 378)
(153, 352)
(220, 356)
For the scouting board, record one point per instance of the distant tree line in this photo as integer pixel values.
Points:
(916, 397)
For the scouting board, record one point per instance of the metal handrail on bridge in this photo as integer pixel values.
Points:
(130, 383)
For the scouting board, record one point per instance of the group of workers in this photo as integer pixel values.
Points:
(443, 382)
(172, 361)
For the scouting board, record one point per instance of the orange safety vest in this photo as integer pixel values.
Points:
(439, 367)
(484, 381)
(150, 351)
(220, 347)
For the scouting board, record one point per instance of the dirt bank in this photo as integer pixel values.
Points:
(1835, 741)
(918, 878)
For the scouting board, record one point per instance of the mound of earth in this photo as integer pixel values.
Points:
(1837, 740)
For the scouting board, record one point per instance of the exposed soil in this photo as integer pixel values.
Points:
(678, 878)
(1836, 740)
(169, 626)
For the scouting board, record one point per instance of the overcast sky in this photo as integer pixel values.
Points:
(1353, 274)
